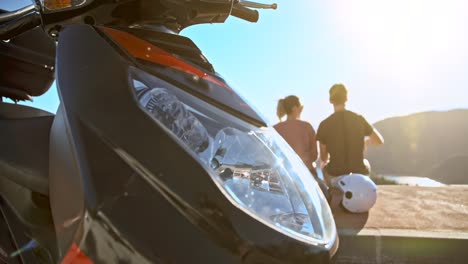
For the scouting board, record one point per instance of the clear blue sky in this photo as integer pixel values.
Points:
(396, 57)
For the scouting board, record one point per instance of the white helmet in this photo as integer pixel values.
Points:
(359, 192)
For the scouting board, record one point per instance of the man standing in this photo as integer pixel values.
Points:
(343, 137)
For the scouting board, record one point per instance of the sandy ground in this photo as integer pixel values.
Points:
(412, 208)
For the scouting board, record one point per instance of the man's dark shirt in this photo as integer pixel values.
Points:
(343, 133)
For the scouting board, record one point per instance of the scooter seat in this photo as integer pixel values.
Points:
(24, 146)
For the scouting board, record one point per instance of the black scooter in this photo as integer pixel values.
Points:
(151, 157)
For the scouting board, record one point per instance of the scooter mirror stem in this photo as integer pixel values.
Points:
(257, 5)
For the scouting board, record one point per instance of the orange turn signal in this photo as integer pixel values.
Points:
(62, 4)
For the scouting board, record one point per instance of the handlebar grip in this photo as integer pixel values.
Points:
(245, 13)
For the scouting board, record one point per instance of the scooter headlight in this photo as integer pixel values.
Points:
(253, 167)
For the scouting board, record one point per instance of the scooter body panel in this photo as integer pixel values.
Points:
(146, 199)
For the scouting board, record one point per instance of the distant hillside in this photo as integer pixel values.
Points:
(429, 144)
(454, 170)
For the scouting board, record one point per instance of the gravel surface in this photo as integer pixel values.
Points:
(412, 208)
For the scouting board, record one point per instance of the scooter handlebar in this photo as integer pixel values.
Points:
(245, 13)
(7, 16)
(14, 27)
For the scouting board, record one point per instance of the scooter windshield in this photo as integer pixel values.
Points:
(254, 167)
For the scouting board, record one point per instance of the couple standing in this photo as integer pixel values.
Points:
(342, 136)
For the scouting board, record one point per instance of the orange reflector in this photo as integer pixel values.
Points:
(62, 4)
(144, 50)
(76, 256)
(57, 4)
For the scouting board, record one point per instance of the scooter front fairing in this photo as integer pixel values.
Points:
(174, 165)
(151, 156)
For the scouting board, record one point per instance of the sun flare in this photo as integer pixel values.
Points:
(408, 39)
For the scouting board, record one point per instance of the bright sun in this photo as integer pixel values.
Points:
(407, 38)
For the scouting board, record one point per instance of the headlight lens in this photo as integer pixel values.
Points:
(254, 167)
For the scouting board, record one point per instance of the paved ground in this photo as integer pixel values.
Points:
(412, 208)
(408, 225)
